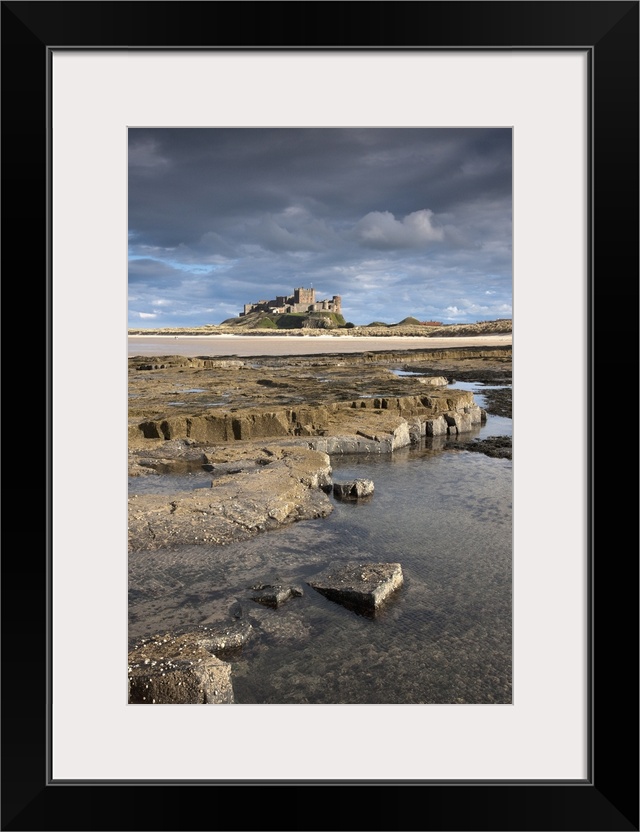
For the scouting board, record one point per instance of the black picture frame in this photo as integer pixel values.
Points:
(608, 798)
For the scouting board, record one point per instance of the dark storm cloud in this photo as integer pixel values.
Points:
(397, 221)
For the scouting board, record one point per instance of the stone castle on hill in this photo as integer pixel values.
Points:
(302, 300)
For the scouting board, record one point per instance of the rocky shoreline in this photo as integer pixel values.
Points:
(265, 429)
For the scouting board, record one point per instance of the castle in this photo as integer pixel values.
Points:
(302, 300)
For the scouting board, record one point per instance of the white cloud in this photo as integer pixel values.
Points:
(147, 315)
(471, 311)
(380, 229)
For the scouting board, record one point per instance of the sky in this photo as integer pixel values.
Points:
(398, 221)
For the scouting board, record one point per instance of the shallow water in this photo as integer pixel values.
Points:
(445, 637)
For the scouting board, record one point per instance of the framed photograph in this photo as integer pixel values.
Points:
(563, 77)
(299, 414)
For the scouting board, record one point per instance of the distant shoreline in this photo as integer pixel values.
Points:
(401, 330)
(503, 338)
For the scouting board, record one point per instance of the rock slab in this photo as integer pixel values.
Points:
(361, 587)
(353, 490)
(169, 670)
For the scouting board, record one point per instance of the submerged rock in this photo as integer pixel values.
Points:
(226, 639)
(361, 587)
(499, 447)
(273, 595)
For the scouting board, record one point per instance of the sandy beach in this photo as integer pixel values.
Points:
(246, 345)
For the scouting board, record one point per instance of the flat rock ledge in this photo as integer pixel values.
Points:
(178, 670)
(361, 587)
(364, 416)
(237, 506)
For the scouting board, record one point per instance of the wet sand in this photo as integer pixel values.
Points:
(245, 345)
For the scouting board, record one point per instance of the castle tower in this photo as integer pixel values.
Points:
(305, 296)
(337, 303)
